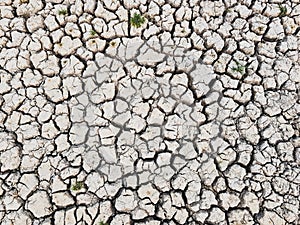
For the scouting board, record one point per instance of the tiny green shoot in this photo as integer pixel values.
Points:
(283, 10)
(137, 20)
(62, 12)
(102, 223)
(77, 186)
(239, 68)
(93, 32)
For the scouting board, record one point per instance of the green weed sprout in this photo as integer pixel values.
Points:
(239, 68)
(93, 32)
(137, 20)
(102, 223)
(283, 10)
(62, 12)
(77, 186)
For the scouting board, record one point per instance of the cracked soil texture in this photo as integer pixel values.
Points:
(186, 114)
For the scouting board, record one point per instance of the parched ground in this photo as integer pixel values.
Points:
(189, 117)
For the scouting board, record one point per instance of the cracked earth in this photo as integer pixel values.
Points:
(190, 117)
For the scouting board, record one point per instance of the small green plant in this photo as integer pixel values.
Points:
(283, 10)
(77, 186)
(93, 32)
(239, 68)
(228, 10)
(102, 223)
(62, 12)
(137, 20)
